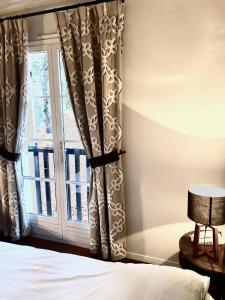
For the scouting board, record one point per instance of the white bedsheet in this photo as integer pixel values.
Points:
(27, 273)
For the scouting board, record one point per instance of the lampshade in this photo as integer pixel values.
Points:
(206, 205)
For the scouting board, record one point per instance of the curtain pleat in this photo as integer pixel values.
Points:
(13, 82)
(91, 42)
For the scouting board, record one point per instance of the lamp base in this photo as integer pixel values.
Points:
(212, 251)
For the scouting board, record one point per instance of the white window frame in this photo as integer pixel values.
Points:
(57, 228)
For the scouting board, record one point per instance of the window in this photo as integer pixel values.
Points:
(55, 168)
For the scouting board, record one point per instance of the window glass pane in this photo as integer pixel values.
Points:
(38, 150)
(30, 195)
(40, 197)
(39, 73)
(69, 124)
(62, 77)
(39, 123)
(39, 176)
(76, 163)
(77, 202)
(77, 176)
(77, 168)
(38, 159)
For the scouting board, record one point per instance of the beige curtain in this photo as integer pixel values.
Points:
(13, 54)
(91, 40)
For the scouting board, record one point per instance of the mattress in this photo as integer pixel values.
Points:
(32, 274)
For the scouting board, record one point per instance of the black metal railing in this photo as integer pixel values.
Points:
(76, 154)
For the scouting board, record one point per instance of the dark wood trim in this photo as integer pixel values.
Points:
(54, 246)
(59, 247)
(4, 238)
(64, 248)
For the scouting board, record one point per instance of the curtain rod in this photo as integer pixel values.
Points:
(52, 10)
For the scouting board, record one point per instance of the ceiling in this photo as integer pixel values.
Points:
(13, 7)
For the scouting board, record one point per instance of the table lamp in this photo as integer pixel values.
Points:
(206, 207)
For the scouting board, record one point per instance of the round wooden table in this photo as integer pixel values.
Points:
(204, 266)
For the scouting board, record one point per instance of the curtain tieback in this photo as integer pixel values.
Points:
(105, 159)
(9, 155)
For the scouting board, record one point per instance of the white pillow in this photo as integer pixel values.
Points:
(143, 281)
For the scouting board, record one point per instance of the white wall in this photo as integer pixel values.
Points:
(41, 25)
(173, 116)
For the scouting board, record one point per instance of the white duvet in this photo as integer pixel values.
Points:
(27, 273)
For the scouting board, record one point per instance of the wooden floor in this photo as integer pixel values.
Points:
(64, 248)
(59, 247)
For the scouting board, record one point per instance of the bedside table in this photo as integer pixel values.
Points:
(204, 266)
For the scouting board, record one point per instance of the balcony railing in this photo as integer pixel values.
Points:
(76, 168)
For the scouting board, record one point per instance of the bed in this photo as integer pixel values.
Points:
(29, 274)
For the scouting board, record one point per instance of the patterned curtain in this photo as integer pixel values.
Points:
(91, 41)
(13, 68)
